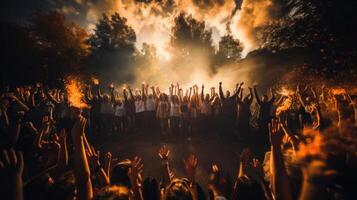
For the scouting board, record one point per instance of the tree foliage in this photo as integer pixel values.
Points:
(229, 49)
(113, 46)
(46, 47)
(113, 34)
(190, 37)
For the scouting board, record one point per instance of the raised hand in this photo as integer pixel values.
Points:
(12, 163)
(136, 169)
(164, 153)
(93, 157)
(276, 133)
(256, 170)
(108, 162)
(79, 126)
(190, 167)
(12, 166)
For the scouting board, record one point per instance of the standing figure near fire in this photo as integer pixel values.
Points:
(243, 112)
(264, 117)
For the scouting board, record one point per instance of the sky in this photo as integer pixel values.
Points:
(152, 19)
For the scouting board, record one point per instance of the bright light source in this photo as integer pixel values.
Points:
(167, 56)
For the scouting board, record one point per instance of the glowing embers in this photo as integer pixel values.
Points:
(75, 93)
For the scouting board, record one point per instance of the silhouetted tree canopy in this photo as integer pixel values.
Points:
(328, 26)
(113, 45)
(229, 50)
(189, 37)
(45, 47)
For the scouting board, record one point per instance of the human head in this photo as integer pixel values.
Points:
(120, 173)
(228, 94)
(178, 189)
(117, 192)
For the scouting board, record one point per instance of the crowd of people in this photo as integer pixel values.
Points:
(48, 152)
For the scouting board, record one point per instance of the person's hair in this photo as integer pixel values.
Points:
(120, 174)
(151, 189)
(248, 190)
(178, 189)
(113, 192)
(63, 188)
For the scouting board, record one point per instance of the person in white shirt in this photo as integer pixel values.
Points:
(175, 112)
(140, 109)
(150, 108)
(205, 112)
(162, 113)
(119, 114)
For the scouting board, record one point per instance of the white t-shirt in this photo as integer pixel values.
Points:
(139, 106)
(175, 109)
(150, 104)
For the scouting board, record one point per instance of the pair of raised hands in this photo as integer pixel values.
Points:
(190, 164)
(277, 131)
(11, 163)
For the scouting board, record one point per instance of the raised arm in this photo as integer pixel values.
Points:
(272, 99)
(190, 169)
(154, 93)
(125, 95)
(240, 96)
(299, 96)
(11, 167)
(221, 95)
(63, 156)
(134, 176)
(171, 91)
(143, 94)
(164, 153)
(257, 97)
(279, 179)
(98, 170)
(250, 95)
(202, 93)
(189, 94)
(112, 95)
(22, 105)
(81, 167)
(131, 94)
(51, 98)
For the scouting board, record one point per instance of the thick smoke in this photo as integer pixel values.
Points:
(152, 21)
(253, 15)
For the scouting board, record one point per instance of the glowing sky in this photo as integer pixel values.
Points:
(152, 19)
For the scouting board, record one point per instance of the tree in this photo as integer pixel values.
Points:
(46, 47)
(328, 27)
(189, 37)
(113, 46)
(113, 34)
(229, 50)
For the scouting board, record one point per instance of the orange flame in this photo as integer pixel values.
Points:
(338, 91)
(75, 96)
(287, 92)
(95, 81)
(285, 105)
